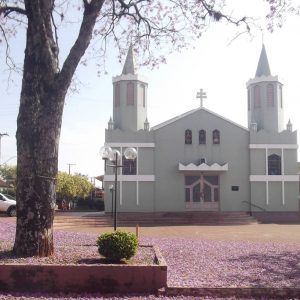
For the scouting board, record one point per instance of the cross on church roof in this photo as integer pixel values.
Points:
(201, 95)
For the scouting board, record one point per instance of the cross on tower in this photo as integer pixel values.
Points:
(201, 95)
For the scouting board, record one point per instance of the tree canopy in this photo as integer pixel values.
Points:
(8, 172)
(71, 186)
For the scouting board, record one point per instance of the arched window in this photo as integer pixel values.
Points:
(188, 137)
(216, 137)
(257, 96)
(274, 164)
(130, 93)
(202, 137)
(270, 95)
(129, 166)
(117, 94)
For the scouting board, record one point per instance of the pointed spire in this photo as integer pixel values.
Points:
(289, 126)
(146, 125)
(263, 64)
(129, 66)
(110, 124)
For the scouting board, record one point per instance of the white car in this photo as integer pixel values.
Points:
(8, 205)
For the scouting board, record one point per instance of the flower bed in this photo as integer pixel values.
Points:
(92, 277)
(77, 267)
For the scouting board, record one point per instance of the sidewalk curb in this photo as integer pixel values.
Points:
(256, 292)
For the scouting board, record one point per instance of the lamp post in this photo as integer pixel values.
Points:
(113, 155)
(111, 188)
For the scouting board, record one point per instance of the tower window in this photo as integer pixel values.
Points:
(117, 94)
(256, 96)
(188, 137)
(216, 137)
(274, 164)
(280, 95)
(270, 95)
(248, 99)
(130, 93)
(129, 166)
(143, 91)
(202, 137)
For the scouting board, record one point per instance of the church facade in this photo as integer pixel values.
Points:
(201, 161)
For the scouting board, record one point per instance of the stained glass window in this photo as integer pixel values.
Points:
(274, 164)
(129, 166)
(216, 137)
(188, 137)
(202, 137)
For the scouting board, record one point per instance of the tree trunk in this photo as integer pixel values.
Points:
(39, 123)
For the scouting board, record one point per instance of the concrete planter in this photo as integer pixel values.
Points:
(109, 278)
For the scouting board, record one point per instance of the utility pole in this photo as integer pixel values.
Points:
(70, 167)
(1, 136)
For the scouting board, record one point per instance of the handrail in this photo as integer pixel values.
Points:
(254, 205)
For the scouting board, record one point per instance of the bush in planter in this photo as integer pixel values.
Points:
(117, 245)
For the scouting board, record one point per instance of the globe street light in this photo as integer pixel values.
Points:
(104, 153)
(113, 155)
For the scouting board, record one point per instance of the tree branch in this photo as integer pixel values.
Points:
(91, 12)
(6, 10)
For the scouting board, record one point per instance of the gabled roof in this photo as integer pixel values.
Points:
(129, 66)
(194, 111)
(263, 64)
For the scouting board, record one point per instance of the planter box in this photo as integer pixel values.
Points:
(108, 278)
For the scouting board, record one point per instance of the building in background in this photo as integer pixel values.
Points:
(201, 161)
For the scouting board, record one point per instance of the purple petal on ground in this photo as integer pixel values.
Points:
(191, 263)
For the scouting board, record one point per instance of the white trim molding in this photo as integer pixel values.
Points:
(134, 178)
(274, 178)
(273, 146)
(263, 78)
(135, 145)
(130, 77)
(203, 167)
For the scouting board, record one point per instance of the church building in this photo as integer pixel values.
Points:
(199, 160)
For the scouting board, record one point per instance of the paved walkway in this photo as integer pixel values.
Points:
(253, 232)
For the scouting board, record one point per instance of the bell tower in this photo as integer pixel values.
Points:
(265, 103)
(129, 97)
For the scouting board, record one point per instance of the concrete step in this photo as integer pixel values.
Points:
(156, 219)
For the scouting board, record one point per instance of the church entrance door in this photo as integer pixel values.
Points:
(202, 192)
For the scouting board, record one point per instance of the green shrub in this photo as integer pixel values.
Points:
(117, 245)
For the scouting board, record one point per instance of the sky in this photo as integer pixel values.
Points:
(219, 63)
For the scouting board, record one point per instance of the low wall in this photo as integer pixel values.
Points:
(84, 278)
